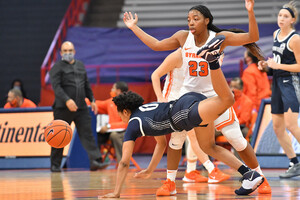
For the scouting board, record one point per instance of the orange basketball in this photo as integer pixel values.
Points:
(58, 133)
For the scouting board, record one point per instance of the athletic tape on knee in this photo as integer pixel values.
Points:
(234, 136)
(177, 139)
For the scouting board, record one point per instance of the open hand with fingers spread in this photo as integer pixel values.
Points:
(129, 20)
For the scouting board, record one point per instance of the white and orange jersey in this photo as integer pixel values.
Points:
(197, 77)
(196, 69)
(173, 84)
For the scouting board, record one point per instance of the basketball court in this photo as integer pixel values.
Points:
(84, 184)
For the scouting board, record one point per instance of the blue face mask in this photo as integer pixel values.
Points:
(17, 87)
(68, 57)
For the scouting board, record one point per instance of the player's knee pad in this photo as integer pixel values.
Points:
(177, 139)
(234, 136)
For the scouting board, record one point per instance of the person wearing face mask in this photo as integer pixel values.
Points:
(15, 99)
(256, 82)
(17, 83)
(115, 129)
(71, 86)
(242, 106)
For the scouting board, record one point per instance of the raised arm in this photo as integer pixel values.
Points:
(239, 39)
(172, 61)
(171, 43)
(122, 169)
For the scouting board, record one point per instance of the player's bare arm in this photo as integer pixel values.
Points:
(161, 144)
(123, 167)
(238, 39)
(171, 43)
(172, 61)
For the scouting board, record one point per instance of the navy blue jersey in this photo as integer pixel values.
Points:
(155, 119)
(282, 54)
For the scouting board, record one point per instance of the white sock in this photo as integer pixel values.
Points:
(209, 166)
(171, 174)
(257, 169)
(191, 166)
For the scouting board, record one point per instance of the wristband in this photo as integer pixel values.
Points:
(214, 65)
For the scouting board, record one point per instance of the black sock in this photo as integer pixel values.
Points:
(294, 161)
(243, 169)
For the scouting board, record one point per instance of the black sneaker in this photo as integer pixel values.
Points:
(211, 51)
(251, 181)
(99, 164)
(55, 169)
(291, 172)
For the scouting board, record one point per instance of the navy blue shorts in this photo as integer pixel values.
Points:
(285, 94)
(184, 113)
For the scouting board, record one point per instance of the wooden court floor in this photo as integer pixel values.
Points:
(83, 184)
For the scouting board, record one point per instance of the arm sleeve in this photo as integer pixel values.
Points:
(102, 106)
(132, 131)
(55, 77)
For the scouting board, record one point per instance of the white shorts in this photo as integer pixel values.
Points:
(227, 118)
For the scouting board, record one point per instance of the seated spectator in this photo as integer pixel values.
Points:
(17, 83)
(256, 82)
(242, 106)
(15, 99)
(115, 129)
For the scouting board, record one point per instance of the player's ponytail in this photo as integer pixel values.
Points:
(251, 47)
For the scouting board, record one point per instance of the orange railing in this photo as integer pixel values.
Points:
(71, 18)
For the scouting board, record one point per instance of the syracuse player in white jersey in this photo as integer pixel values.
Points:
(200, 22)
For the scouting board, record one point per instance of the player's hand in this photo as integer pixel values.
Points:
(272, 64)
(249, 4)
(104, 129)
(94, 108)
(211, 51)
(110, 195)
(129, 21)
(71, 105)
(262, 65)
(144, 174)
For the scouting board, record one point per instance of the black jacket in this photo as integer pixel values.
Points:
(70, 81)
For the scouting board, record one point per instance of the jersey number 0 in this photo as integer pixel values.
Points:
(203, 68)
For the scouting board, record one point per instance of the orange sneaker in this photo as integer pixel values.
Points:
(264, 188)
(167, 189)
(194, 177)
(217, 176)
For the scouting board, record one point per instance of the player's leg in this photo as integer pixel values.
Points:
(194, 152)
(173, 158)
(286, 144)
(191, 174)
(251, 179)
(291, 123)
(235, 137)
(210, 109)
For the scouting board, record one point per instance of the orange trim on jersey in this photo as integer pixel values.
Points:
(228, 121)
(169, 85)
